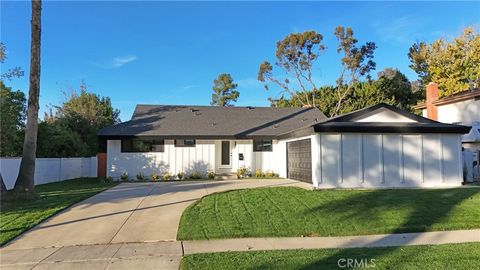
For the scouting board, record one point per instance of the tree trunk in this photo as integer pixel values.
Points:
(3, 188)
(24, 186)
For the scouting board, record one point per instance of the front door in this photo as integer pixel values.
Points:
(226, 155)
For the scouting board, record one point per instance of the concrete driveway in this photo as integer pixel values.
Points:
(127, 213)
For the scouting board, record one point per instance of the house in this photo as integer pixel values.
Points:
(461, 108)
(380, 146)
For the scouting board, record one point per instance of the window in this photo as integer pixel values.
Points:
(185, 143)
(142, 145)
(262, 145)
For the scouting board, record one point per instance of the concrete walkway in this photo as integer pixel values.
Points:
(167, 255)
(379, 240)
(127, 213)
(130, 212)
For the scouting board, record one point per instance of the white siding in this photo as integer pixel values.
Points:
(352, 159)
(465, 112)
(386, 116)
(387, 160)
(392, 159)
(331, 160)
(244, 147)
(200, 158)
(432, 159)
(450, 157)
(412, 160)
(372, 159)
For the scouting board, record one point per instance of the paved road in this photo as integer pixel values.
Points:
(127, 213)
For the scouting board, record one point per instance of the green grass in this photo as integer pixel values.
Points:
(288, 211)
(17, 217)
(451, 256)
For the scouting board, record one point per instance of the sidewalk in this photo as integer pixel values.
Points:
(379, 240)
(167, 255)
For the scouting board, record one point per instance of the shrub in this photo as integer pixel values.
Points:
(155, 177)
(140, 176)
(210, 175)
(195, 175)
(180, 175)
(270, 174)
(242, 172)
(259, 173)
(124, 176)
(167, 176)
(106, 180)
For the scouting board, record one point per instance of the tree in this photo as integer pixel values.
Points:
(394, 84)
(12, 112)
(11, 73)
(56, 139)
(85, 114)
(454, 65)
(24, 186)
(361, 95)
(357, 61)
(296, 55)
(224, 91)
(8, 106)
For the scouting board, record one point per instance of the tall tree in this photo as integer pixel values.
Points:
(454, 65)
(394, 84)
(361, 95)
(224, 92)
(12, 113)
(357, 61)
(296, 55)
(24, 186)
(84, 114)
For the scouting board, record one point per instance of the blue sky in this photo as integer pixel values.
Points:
(170, 53)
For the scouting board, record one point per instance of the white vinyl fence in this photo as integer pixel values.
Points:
(49, 170)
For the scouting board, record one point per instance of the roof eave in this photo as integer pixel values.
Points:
(451, 129)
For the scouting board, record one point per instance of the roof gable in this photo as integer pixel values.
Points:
(381, 113)
(384, 118)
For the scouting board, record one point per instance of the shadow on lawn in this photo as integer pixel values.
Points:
(426, 211)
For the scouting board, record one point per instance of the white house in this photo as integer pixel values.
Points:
(461, 108)
(380, 146)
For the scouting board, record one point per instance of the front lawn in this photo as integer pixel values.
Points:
(20, 216)
(451, 256)
(288, 211)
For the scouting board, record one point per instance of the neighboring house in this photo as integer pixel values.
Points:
(462, 108)
(380, 146)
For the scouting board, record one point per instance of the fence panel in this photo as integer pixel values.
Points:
(49, 170)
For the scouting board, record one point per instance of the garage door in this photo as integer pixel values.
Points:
(299, 160)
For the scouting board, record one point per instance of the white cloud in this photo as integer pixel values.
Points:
(121, 61)
(191, 86)
(116, 62)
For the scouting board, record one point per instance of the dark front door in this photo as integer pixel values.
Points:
(226, 153)
(299, 160)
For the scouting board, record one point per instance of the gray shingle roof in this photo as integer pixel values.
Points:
(171, 121)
